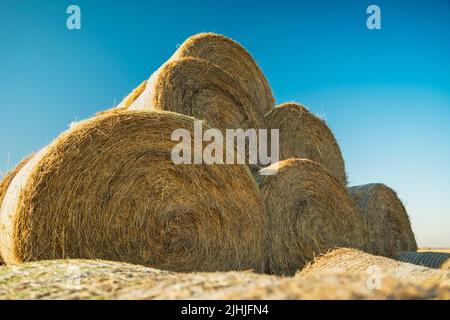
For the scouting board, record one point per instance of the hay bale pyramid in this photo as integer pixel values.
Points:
(107, 188)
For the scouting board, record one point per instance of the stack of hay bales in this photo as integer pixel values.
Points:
(107, 188)
(209, 77)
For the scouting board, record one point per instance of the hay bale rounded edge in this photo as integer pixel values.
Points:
(356, 261)
(198, 88)
(108, 189)
(304, 135)
(308, 211)
(387, 223)
(233, 59)
(6, 180)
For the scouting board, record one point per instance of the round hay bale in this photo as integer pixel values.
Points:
(95, 279)
(355, 261)
(200, 89)
(235, 60)
(108, 189)
(387, 223)
(244, 75)
(437, 260)
(304, 135)
(308, 213)
(6, 180)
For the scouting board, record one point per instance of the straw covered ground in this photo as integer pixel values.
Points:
(89, 279)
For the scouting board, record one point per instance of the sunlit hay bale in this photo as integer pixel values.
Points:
(228, 89)
(354, 261)
(108, 189)
(387, 223)
(95, 279)
(304, 135)
(437, 260)
(201, 89)
(5, 182)
(308, 211)
(235, 60)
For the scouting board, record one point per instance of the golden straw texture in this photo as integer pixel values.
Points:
(387, 223)
(108, 189)
(304, 135)
(200, 89)
(210, 77)
(88, 279)
(309, 212)
(354, 261)
(233, 59)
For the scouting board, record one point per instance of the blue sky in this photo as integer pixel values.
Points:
(385, 93)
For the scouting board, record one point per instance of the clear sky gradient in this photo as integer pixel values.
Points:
(385, 93)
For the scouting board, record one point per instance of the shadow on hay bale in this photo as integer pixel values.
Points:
(212, 78)
(108, 189)
(387, 223)
(304, 135)
(308, 211)
(89, 279)
(437, 260)
(355, 261)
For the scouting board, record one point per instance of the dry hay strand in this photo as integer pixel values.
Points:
(108, 189)
(387, 223)
(200, 89)
(6, 180)
(354, 261)
(228, 89)
(304, 135)
(308, 211)
(89, 279)
(437, 260)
